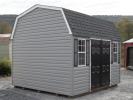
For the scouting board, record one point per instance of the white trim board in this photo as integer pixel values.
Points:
(99, 39)
(40, 6)
(67, 24)
(90, 65)
(110, 61)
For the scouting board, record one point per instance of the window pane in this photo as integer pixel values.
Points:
(79, 48)
(81, 45)
(116, 49)
(80, 42)
(83, 42)
(115, 57)
(115, 52)
(113, 49)
(83, 48)
(81, 58)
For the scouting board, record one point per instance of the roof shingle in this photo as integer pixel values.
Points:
(86, 26)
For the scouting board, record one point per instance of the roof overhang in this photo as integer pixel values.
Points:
(5, 35)
(129, 41)
(40, 6)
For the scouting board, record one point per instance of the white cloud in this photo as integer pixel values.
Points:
(91, 7)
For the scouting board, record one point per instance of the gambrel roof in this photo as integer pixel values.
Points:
(85, 25)
(81, 24)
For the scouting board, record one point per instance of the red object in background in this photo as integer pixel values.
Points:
(126, 46)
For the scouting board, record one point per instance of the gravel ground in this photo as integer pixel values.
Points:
(5, 82)
(124, 91)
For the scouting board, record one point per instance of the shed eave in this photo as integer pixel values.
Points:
(129, 41)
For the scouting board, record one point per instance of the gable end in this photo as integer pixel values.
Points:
(40, 6)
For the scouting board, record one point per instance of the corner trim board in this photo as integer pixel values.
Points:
(110, 62)
(70, 32)
(90, 65)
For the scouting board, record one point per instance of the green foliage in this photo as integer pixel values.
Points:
(5, 67)
(125, 28)
(5, 28)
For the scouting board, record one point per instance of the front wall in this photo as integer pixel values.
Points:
(82, 77)
(42, 52)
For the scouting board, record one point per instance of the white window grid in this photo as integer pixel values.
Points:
(84, 52)
(115, 51)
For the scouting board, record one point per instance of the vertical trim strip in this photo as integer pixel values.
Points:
(10, 56)
(119, 44)
(110, 61)
(73, 65)
(13, 31)
(117, 53)
(90, 65)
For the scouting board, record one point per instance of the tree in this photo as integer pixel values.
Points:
(125, 28)
(5, 28)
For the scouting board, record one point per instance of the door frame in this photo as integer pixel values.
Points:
(90, 57)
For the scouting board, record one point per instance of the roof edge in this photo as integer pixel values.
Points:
(129, 41)
(38, 6)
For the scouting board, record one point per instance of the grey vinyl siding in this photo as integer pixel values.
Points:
(42, 52)
(115, 74)
(81, 80)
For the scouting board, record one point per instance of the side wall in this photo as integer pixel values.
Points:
(42, 52)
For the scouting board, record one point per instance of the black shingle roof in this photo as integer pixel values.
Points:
(86, 26)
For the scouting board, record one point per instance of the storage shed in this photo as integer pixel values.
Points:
(128, 54)
(65, 52)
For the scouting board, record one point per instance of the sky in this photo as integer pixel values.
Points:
(90, 7)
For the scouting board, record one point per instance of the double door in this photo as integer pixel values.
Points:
(100, 63)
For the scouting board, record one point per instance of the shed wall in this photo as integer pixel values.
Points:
(81, 80)
(115, 74)
(43, 55)
(42, 52)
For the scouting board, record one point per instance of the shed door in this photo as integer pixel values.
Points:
(100, 63)
(105, 63)
(95, 63)
(130, 56)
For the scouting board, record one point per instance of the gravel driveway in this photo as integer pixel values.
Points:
(124, 91)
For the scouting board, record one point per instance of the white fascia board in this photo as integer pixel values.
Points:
(68, 26)
(99, 39)
(14, 27)
(40, 6)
